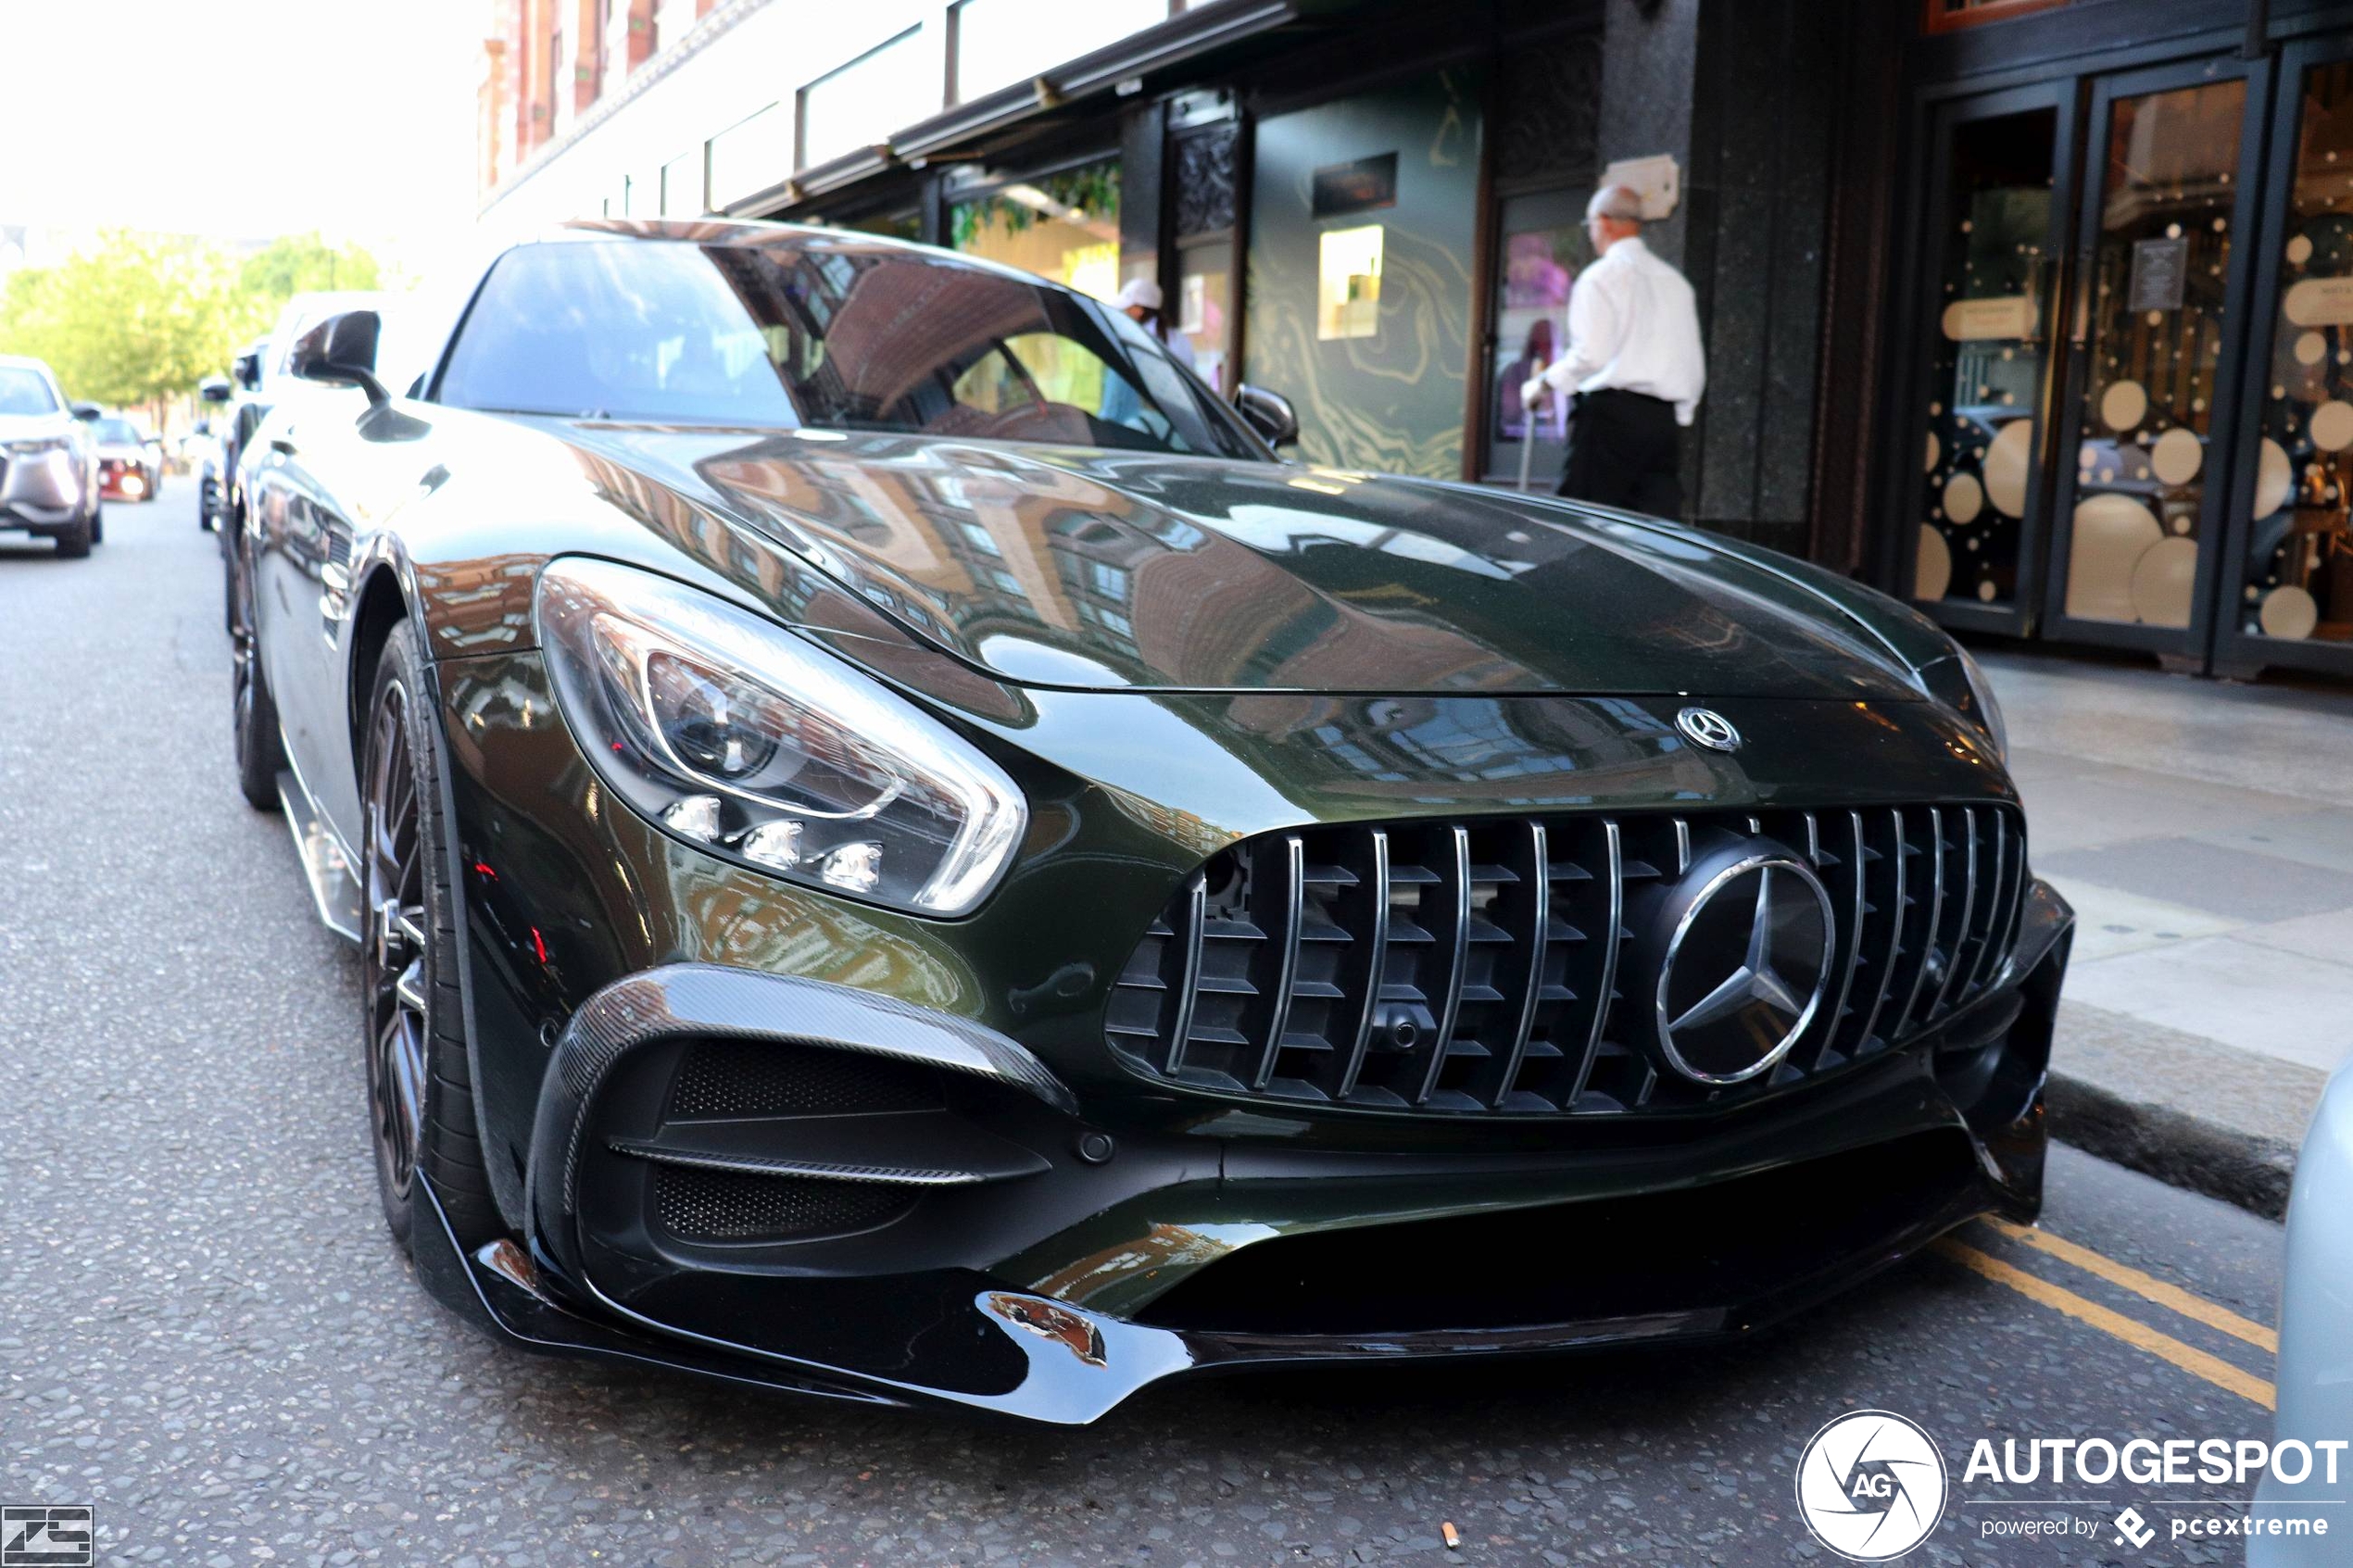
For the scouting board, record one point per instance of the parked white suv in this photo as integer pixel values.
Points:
(48, 463)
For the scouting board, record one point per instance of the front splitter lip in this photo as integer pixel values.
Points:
(1082, 1364)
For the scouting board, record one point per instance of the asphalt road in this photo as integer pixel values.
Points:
(206, 1333)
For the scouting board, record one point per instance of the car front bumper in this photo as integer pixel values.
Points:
(1075, 1268)
(39, 492)
(2316, 1352)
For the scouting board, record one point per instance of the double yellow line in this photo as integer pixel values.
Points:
(2189, 1357)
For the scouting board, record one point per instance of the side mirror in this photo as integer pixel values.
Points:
(203, 427)
(87, 412)
(247, 370)
(215, 389)
(1268, 413)
(341, 351)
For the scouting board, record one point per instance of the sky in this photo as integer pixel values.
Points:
(246, 119)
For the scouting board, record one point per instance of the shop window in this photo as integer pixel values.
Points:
(750, 155)
(859, 105)
(2298, 579)
(1372, 348)
(1001, 41)
(1203, 306)
(1348, 282)
(1539, 250)
(683, 195)
(1063, 226)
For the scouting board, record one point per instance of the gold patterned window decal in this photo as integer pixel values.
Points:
(2299, 582)
(2161, 258)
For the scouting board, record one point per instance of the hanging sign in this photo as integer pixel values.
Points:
(2161, 268)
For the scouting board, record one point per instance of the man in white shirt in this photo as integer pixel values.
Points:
(1634, 362)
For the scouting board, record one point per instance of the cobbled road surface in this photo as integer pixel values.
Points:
(207, 1335)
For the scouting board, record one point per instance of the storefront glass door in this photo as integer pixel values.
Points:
(2143, 482)
(2287, 587)
(2079, 407)
(1995, 230)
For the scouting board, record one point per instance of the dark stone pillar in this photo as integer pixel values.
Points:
(1743, 95)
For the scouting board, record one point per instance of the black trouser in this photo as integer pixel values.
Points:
(1624, 450)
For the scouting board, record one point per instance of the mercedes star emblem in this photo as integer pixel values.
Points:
(1706, 727)
(1746, 969)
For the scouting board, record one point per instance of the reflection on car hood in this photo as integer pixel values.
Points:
(1101, 570)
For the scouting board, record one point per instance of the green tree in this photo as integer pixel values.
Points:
(293, 263)
(135, 320)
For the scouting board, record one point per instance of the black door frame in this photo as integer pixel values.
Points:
(2061, 95)
(2191, 645)
(2237, 653)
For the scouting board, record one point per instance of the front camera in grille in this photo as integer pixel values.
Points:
(1486, 965)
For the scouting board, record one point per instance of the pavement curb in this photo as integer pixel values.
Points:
(2239, 1167)
(2192, 1111)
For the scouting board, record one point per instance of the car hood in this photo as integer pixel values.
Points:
(1094, 570)
(34, 427)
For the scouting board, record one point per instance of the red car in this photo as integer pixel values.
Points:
(130, 466)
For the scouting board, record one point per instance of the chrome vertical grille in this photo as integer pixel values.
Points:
(1473, 966)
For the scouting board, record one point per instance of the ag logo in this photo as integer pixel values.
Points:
(1871, 1486)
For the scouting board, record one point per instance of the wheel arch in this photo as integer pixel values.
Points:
(381, 605)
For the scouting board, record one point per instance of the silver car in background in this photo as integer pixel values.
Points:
(2316, 1346)
(48, 463)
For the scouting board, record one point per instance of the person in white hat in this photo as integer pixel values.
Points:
(1140, 300)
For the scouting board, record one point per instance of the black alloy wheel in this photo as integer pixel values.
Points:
(394, 950)
(420, 1089)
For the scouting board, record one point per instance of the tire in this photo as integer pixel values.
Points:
(261, 750)
(75, 539)
(420, 1104)
(97, 525)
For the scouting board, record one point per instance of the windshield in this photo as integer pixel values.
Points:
(25, 392)
(117, 432)
(807, 330)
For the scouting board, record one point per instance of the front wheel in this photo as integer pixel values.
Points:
(97, 525)
(76, 537)
(420, 1088)
(260, 751)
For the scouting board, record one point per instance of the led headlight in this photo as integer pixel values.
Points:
(731, 731)
(1959, 683)
(38, 446)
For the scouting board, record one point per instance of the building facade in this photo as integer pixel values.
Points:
(2039, 312)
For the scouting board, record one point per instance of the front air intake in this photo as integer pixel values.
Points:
(702, 1205)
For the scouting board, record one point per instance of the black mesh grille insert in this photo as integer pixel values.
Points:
(703, 1205)
(753, 1078)
(1486, 964)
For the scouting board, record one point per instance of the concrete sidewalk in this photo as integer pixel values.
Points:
(2204, 832)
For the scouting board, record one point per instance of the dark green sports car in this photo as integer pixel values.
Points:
(901, 853)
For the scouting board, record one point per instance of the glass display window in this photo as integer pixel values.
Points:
(2297, 578)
